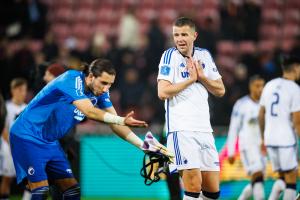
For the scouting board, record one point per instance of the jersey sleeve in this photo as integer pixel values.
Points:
(104, 101)
(72, 86)
(295, 106)
(234, 127)
(212, 70)
(166, 68)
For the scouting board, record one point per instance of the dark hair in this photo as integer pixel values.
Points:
(17, 82)
(288, 61)
(98, 66)
(255, 78)
(184, 21)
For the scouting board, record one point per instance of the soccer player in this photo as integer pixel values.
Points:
(279, 118)
(61, 104)
(18, 89)
(186, 75)
(244, 124)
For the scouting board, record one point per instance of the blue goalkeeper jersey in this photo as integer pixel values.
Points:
(51, 114)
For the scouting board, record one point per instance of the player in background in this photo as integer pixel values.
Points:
(186, 75)
(244, 125)
(61, 104)
(279, 119)
(14, 106)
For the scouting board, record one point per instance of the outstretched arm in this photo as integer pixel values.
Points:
(88, 109)
(124, 132)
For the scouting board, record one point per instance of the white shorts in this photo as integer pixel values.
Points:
(6, 162)
(193, 150)
(283, 158)
(252, 159)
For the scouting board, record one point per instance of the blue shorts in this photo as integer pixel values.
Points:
(38, 162)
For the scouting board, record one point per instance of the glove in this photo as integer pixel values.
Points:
(151, 144)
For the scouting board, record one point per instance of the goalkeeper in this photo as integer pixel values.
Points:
(60, 105)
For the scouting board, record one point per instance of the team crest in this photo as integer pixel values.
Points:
(30, 170)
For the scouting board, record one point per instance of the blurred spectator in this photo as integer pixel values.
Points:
(50, 48)
(207, 36)
(232, 24)
(23, 61)
(131, 89)
(53, 71)
(156, 46)
(129, 30)
(251, 12)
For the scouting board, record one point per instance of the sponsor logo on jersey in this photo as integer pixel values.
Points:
(182, 65)
(69, 171)
(30, 170)
(185, 74)
(165, 70)
(79, 116)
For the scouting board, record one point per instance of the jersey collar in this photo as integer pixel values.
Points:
(185, 55)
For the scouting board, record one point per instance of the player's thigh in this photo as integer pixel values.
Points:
(288, 158)
(191, 179)
(58, 170)
(65, 183)
(211, 181)
(30, 159)
(253, 161)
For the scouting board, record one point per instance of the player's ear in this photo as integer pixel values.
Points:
(195, 35)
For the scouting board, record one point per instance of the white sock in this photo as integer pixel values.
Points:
(26, 195)
(258, 191)
(190, 198)
(289, 194)
(246, 193)
(277, 188)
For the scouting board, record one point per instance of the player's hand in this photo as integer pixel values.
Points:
(199, 68)
(231, 160)
(263, 149)
(151, 144)
(191, 69)
(130, 121)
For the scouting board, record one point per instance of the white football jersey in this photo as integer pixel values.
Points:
(280, 97)
(189, 109)
(13, 110)
(244, 123)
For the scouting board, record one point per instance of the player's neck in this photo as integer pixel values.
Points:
(253, 98)
(16, 101)
(289, 76)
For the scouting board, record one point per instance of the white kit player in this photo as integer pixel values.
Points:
(14, 107)
(244, 125)
(279, 118)
(186, 74)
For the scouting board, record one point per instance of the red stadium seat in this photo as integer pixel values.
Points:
(247, 47)
(226, 48)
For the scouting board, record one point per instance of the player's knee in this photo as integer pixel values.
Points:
(210, 195)
(73, 193)
(40, 193)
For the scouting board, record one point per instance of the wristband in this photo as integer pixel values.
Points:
(113, 119)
